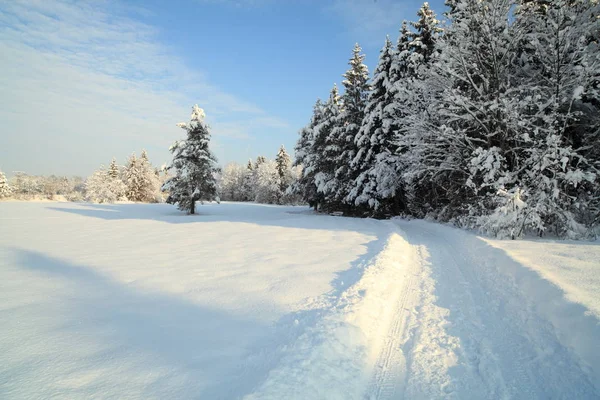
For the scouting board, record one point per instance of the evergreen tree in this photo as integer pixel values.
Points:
(101, 187)
(144, 180)
(140, 178)
(401, 57)
(113, 169)
(424, 39)
(306, 157)
(260, 160)
(494, 124)
(131, 177)
(5, 189)
(415, 112)
(266, 182)
(248, 193)
(194, 165)
(375, 160)
(284, 164)
(326, 151)
(341, 143)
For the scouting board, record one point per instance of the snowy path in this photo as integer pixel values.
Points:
(491, 328)
(440, 314)
(261, 302)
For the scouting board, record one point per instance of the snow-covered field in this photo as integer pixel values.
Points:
(266, 302)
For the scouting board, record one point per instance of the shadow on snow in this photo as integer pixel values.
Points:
(191, 340)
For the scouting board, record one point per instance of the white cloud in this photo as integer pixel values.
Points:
(79, 84)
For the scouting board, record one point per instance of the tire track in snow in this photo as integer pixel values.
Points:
(391, 367)
(335, 358)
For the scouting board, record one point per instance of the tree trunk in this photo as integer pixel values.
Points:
(193, 207)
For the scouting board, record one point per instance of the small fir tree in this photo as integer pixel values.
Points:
(194, 166)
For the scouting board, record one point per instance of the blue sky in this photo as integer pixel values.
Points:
(81, 82)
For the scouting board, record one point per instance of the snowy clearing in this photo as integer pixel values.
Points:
(267, 302)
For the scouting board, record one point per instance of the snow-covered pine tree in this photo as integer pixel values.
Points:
(424, 39)
(306, 159)
(150, 188)
(267, 183)
(113, 169)
(5, 189)
(131, 177)
(284, 164)
(325, 152)
(141, 179)
(194, 166)
(248, 193)
(377, 183)
(346, 128)
(101, 187)
(114, 180)
(259, 160)
(415, 114)
(401, 57)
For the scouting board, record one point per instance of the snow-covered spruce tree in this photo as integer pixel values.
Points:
(259, 160)
(325, 152)
(131, 176)
(248, 193)
(267, 183)
(5, 190)
(290, 196)
(193, 165)
(142, 181)
(113, 169)
(152, 183)
(401, 58)
(306, 158)
(284, 164)
(102, 187)
(375, 162)
(342, 138)
(415, 93)
(114, 179)
(426, 33)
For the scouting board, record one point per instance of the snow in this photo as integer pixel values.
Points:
(572, 266)
(136, 300)
(270, 302)
(490, 327)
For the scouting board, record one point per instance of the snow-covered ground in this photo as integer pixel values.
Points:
(266, 302)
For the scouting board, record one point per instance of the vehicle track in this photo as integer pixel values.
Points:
(390, 369)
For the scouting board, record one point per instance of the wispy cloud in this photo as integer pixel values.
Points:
(371, 20)
(240, 3)
(80, 84)
(242, 129)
